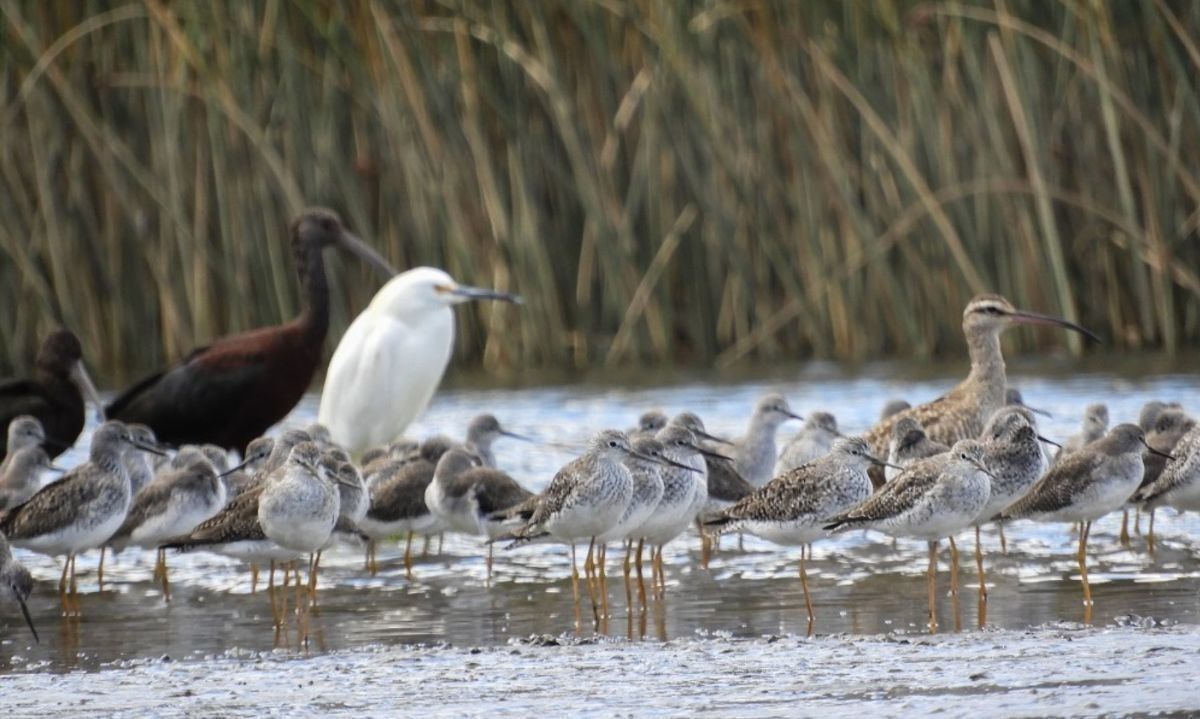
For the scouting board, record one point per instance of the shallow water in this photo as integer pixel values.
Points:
(861, 584)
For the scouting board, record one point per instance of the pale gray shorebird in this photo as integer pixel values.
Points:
(648, 424)
(80, 511)
(397, 492)
(585, 499)
(1013, 454)
(22, 475)
(755, 453)
(300, 504)
(246, 474)
(724, 483)
(1084, 486)
(173, 504)
(466, 497)
(23, 432)
(934, 498)
(647, 494)
(1013, 396)
(1095, 426)
(793, 508)
(1178, 485)
(909, 444)
(140, 468)
(684, 494)
(962, 412)
(893, 406)
(812, 441)
(483, 431)
(16, 583)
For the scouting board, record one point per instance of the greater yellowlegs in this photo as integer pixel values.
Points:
(22, 475)
(83, 509)
(1095, 425)
(172, 505)
(754, 454)
(933, 498)
(793, 508)
(648, 424)
(1178, 485)
(482, 432)
(16, 583)
(1085, 485)
(397, 492)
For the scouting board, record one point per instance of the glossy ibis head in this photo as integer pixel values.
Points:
(993, 313)
(25, 431)
(318, 228)
(61, 356)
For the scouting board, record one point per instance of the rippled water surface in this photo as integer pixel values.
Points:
(861, 584)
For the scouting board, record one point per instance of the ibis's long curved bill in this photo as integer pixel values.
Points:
(483, 293)
(1033, 318)
(355, 246)
(79, 375)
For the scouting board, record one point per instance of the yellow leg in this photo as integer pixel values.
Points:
(705, 544)
(408, 555)
(166, 582)
(1124, 538)
(253, 578)
(807, 599)
(100, 570)
(1084, 528)
(62, 587)
(1137, 520)
(489, 563)
(575, 588)
(638, 566)
(602, 554)
(312, 577)
(953, 568)
(1150, 534)
(589, 572)
(979, 566)
(933, 587)
(1003, 541)
(627, 571)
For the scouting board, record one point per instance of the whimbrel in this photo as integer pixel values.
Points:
(814, 440)
(83, 509)
(961, 412)
(792, 509)
(934, 498)
(1084, 486)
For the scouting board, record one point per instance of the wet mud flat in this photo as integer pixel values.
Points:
(1052, 670)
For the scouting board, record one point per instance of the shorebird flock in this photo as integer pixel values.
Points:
(186, 460)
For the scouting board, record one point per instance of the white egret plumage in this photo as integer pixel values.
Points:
(390, 361)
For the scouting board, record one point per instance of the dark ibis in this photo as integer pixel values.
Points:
(233, 390)
(54, 395)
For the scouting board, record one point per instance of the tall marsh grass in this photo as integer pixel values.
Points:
(666, 181)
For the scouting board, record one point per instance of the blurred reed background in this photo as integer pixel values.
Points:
(665, 181)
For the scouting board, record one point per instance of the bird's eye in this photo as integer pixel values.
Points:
(612, 444)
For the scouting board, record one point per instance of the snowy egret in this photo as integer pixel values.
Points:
(391, 359)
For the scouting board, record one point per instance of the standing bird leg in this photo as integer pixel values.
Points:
(408, 555)
(807, 599)
(641, 581)
(589, 571)
(933, 587)
(166, 584)
(1003, 541)
(1137, 520)
(575, 588)
(979, 566)
(602, 554)
(253, 577)
(1150, 534)
(100, 569)
(953, 568)
(1124, 538)
(1084, 527)
(627, 571)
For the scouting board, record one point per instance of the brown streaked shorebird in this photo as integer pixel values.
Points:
(934, 498)
(1165, 428)
(172, 505)
(1177, 484)
(16, 583)
(397, 491)
(232, 390)
(83, 509)
(909, 444)
(1084, 486)
(55, 395)
(962, 412)
(793, 508)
